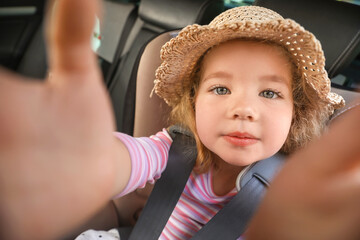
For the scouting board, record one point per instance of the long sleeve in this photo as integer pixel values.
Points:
(149, 156)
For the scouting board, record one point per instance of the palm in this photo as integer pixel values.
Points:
(53, 123)
(73, 113)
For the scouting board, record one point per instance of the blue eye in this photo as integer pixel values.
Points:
(220, 90)
(269, 94)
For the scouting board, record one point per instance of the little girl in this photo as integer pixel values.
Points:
(246, 86)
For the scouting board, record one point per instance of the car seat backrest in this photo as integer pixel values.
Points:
(33, 63)
(118, 20)
(352, 100)
(155, 17)
(153, 108)
(115, 15)
(174, 14)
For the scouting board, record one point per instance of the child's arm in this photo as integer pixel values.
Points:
(60, 162)
(148, 156)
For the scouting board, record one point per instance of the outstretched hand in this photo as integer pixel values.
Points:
(56, 131)
(59, 130)
(317, 193)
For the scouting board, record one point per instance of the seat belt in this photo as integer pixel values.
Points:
(167, 189)
(230, 222)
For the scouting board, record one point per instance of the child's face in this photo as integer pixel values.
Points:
(244, 104)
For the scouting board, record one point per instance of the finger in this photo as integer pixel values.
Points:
(339, 148)
(69, 33)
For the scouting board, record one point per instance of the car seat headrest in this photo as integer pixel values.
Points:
(176, 14)
(352, 100)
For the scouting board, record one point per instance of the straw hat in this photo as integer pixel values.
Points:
(181, 54)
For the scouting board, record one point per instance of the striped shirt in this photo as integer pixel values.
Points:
(197, 204)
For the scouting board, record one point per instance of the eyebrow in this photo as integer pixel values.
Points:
(219, 74)
(272, 77)
(275, 78)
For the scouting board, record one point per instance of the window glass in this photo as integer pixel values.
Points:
(236, 3)
(357, 2)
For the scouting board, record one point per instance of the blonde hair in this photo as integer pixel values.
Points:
(310, 112)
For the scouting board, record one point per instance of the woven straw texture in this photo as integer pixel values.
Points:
(181, 54)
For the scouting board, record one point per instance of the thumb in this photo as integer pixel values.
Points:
(69, 32)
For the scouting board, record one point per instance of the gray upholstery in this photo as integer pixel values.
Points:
(112, 25)
(173, 14)
(115, 15)
(34, 61)
(352, 100)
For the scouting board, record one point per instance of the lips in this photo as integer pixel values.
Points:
(241, 139)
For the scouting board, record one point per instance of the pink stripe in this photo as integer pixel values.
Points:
(203, 215)
(185, 221)
(190, 185)
(180, 232)
(147, 168)
(196, 188)
(193, 210)
(148, 158)
(173, 236)
(206, 208)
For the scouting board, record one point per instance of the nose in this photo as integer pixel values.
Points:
(244, 108)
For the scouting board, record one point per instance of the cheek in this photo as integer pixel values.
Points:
(278, 130)
(205, 120)
(200, 121)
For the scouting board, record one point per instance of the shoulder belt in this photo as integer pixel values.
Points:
(230, 222)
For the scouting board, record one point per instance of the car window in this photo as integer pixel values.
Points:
(236, 3)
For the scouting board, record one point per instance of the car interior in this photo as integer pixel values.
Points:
(132, 33)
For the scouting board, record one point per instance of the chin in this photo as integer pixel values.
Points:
(241, 162)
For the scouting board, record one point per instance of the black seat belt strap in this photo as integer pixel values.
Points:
(231, 221)
(167, 190)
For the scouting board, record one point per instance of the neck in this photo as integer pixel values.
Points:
(224, 177)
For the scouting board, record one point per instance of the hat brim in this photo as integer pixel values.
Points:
(181, 54)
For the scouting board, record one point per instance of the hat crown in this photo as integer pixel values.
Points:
(245, 14)
(181, 54)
